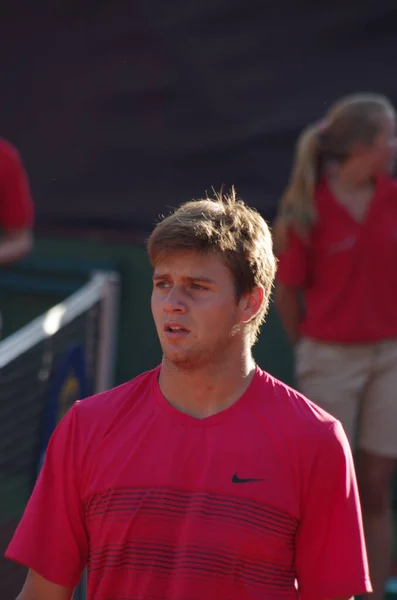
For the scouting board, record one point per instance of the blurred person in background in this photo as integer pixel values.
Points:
(336, 292)
(16, 207)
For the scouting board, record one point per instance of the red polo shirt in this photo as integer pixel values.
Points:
(162, 506)
(16, 207)
(348, 270)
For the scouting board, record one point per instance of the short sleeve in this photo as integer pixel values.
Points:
(331, 560)
(294, 263)
(51, 538)
(16, 206)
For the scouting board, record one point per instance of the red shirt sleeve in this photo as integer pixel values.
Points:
(331, 560)
(51, 538)
(16, 206)
(294, 263)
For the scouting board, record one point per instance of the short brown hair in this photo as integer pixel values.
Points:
(227, 226)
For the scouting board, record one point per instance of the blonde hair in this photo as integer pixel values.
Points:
(226, 226)
(354, 119)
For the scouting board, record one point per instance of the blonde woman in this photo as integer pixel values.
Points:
(336, 292)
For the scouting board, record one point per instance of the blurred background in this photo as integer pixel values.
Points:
(123, 109)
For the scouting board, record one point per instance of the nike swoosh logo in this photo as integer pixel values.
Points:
(237, 479)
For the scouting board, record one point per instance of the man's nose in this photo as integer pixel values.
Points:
(175, 301)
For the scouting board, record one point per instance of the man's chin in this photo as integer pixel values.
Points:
(183, 361)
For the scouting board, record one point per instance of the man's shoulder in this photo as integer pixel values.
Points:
(293, 411)
(109, 403)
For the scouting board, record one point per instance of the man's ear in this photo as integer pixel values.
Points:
(251, 303)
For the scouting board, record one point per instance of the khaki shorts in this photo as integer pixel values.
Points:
(355, 384)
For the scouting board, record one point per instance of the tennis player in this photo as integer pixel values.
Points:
(205, 478)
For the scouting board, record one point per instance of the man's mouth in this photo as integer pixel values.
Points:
(175, 328)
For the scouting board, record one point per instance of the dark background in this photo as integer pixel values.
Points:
(121, 109)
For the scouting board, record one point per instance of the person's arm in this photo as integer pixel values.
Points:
(293, 275)
(38, 588)
(288, 303)
(16, 207)
(51, 538)
(331, 559)
(14, 245)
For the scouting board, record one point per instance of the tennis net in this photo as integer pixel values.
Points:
(62, 356)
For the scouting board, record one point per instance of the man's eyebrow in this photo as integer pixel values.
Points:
(201, 278)
(190, 278)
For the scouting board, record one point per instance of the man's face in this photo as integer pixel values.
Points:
(197, 316)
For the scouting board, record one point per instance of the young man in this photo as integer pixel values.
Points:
(204, 478)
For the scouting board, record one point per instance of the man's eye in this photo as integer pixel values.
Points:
(197, 286)
(162, 284)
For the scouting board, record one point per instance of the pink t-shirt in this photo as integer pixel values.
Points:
(16, 206)
(160, 505)
(347, 271)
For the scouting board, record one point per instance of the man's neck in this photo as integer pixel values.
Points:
(206, 391)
